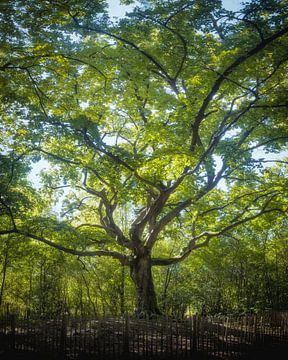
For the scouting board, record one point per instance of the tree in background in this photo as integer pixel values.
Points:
(243, 272)
(150, 125)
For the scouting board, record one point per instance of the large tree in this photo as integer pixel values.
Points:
(151, 121)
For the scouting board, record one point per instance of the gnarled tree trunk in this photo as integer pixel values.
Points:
(141, 274)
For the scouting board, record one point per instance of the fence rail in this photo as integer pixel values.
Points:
(220, 337)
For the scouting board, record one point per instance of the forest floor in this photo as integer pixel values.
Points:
(276, 352)
(109, 339)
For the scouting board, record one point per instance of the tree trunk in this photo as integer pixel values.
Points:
(141, 275)
(4, 272)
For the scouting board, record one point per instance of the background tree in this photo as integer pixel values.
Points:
(153, 119)
(245, 271)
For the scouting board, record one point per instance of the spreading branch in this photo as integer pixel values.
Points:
(208, 235)
(160, 68)
(221, 78)
(114, 254)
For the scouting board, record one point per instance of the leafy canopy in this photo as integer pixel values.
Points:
(150, 123)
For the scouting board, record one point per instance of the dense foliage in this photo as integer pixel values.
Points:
(156, 134)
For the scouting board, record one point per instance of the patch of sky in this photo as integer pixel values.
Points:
(260, 152)
(80, 69)
(84, 104)
(231, 133)
(35, 179)
(44, 75)
(75, 37)
(112, 140)
(117, 10)
(218, 166)
(270, 159)
(232, 5)
(34, 174)
(36, 169)
(169, 91)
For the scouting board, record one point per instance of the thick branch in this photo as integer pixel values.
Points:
(108, 221)
(148, 215)
(171, 215)
(221, 78)
(208, 235)
(114, 254)
(271, 161)
(257, 146)
(117, 160)
(57, 157)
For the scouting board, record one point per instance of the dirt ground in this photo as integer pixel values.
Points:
(277, 353)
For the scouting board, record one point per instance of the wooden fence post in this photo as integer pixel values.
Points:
(255, 325)
(195, 331)
(126, 337)
(226, 345)
(13, 331)
(63, 335)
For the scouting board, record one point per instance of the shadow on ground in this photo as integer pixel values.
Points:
(277, 353)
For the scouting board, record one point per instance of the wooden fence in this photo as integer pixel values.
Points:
(95, 338)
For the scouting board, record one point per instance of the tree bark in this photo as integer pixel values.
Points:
(141, 274)
(4, 272)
